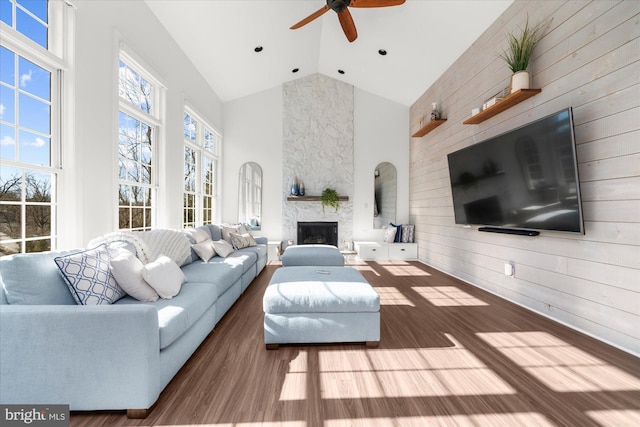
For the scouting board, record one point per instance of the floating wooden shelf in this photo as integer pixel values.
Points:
(431, 125)
(313, 198)
(500, 106)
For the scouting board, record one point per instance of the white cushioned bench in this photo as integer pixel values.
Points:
(326, 304)
(301, 255)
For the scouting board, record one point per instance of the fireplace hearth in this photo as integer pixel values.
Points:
(315, 233)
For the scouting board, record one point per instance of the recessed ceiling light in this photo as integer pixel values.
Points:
(382, 52)
(341, 71)
(258, 49)
(295, 70)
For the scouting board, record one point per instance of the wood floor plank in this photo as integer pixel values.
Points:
(449, 354)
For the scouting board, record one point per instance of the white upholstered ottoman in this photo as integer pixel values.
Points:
(320, 305)
(303, 255)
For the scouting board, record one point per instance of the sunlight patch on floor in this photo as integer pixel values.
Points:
(390, 295)
(404, 270)
(392, 373)
(616, 417)
(447, 296)
(294, 386)
(560, 366)
(506, 420)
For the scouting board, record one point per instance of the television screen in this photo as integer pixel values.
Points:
(525, 179)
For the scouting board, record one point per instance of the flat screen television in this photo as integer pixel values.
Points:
(524, 179)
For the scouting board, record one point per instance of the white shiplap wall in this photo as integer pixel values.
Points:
(589, 59)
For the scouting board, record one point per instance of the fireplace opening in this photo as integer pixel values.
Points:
(316, 233)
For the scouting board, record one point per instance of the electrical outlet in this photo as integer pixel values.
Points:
(509, 269)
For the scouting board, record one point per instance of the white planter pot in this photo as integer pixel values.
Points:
(519, 80)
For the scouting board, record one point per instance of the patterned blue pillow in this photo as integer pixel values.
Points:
(88, 276)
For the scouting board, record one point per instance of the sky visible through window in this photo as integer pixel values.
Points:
(25, 89)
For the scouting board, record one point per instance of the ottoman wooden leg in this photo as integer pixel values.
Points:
(372, 344)
(273, 346)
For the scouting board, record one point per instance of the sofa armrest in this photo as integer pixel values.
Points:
(90, 357)
(261, 240)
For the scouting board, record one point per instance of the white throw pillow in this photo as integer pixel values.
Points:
(223, 248)
(127, 270)
(227, 229)
(198, 235)
(390, 234)
(205, 250)
(164, 276)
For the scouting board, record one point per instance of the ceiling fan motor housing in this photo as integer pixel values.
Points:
(338, 5)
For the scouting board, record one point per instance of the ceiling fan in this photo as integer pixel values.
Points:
(344, 16)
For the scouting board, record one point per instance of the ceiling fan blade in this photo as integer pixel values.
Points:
(349, 28)
(375, 3)
(318, 13)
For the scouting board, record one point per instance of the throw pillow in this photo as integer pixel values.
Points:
(398, 237)
(240, 241)
(197, 235)
(88, 276)
(127, 270)
(164, 276)
(390, 234)
(228, 229)
(223, 248)
(408, 231)
(205, 250)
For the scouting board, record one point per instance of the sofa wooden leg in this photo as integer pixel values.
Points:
(139, 413)
(372, 344)
(273, 346)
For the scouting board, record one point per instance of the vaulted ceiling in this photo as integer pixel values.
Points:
(422, 38)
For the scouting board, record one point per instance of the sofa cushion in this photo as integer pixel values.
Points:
(214, 231)
(243, 259)
(88, 276)
(34, 279)
(177, 315)
(260, 250)
(216, 271)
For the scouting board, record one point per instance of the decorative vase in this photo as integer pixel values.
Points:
(294, 186)
(519, 80)
(301, 189)
(435, 114)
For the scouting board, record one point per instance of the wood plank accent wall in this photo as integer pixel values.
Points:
(589, 60)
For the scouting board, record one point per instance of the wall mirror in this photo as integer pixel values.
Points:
(385, 195)
(250, 195)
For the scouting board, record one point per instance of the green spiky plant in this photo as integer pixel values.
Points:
(330, 198)
(521, 47)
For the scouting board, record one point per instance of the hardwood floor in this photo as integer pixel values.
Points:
(449, 354)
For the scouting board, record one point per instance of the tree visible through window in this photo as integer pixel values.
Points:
(137, 134)
(201, 150)
(28, 148)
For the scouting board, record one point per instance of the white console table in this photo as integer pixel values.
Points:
(373, 251)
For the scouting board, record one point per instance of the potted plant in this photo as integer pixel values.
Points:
(329, 198)
(519, 53)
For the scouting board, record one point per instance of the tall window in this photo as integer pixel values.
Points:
(201, 152)
(29, 127)
(138, 128)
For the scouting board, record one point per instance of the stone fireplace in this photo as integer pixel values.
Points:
(318, 150)
(314, 233)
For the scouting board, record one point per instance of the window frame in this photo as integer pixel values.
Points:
(55, 59)
(152, 119)
(202, 154)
